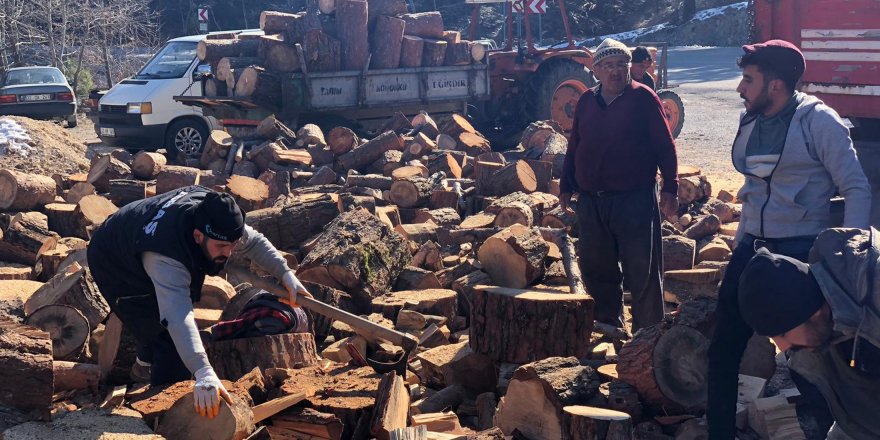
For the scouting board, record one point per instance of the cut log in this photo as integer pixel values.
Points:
(390, 8)
(439, 302)
(483, 172)
(348, 202)
(67, 327)
(227, 64)
(387, 40)
(235, 422)
(392, 406)
(411, 49)
(455, 125)
(514, 257)
(371, 151)
(246, 168)
(307, 421)
(272, 129)
(26, 237)
(478, 51)
(386, 164)
(458, 364)
(424, 24)
(78, 191)
(125, 191)
(249, 193)
(310, 134)
(216, 293)
(358, 254)
(421, 144)
(322, 52)
(538, 393)
(290, 225)
(703, 227)
(530, 336)
(73, 287)
(419, 233)
(278, 55)
(416, 278)
(517, 176)
(341, 140)
(458, 54)
(473, 144)
(291, 157)
(216, 147)
(514, 213)
(713, 250)
(90, 212)
(211, 51)
(25, 192)
(693, 188)
(413, 192)
(105, 169)
(405, 172)
(272, 22)
(441, 217)
(433, 52)
(678, 252)
(560, 219)
(351, 16)
(374, 181)
(173, 177)
(667, 364)
(75, 376)
(215, 88)
(274, 406)
(260, 86)
(26, 362)
(234, 358)
(543, 173)
(14, 271)
(589, 423)
(445, 163)
(441, 198)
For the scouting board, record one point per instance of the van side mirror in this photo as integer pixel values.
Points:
(202, 71)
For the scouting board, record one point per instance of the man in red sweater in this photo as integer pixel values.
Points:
(618, 141)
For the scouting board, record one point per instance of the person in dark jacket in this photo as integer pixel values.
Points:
(150, 259)
(795, 153)
(618, 141)
(641, 64)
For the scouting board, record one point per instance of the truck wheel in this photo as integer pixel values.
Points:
(674, 111)
(187, 137)
(556, 89)
(71, 121)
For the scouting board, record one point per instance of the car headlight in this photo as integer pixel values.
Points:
(140, 108)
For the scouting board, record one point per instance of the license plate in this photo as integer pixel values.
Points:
(108, 131)
(43, 97)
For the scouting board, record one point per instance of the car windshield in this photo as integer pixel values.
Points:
(172, 61)
(39, 75)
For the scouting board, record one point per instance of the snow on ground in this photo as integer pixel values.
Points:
(14, 138)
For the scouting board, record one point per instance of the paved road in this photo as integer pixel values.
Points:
(706, 78)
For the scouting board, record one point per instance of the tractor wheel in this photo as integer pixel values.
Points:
(556, 89)
(674, 111)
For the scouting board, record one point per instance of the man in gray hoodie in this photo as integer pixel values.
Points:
(794, 152)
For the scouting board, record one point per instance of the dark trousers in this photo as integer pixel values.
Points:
(732, 335)
(620, 243)
(139, 313)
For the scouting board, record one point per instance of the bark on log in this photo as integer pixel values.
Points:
(288, 226)
(279, 55)
(227, 64)
(458, 54)
(692, 189)
(67, 327)
(211, 51)
(543, 173)
(513, 213)
(73, 287)
(173, 177)
(260, 86)
(357, 254)
(415, 278)
(76, 376)
(78, 191)
(678, 252)
(272, 129)
(386, 164)
(26, 237)
(234, 422)
(517, 176)
(310, 134)
(234, 358)
(341, 140)
(105, 169)
(387, 40)
(409, 171)
(424, 24)
(215, 88)
(26, 362)
(445, 163)
(216, 147)
(371, 151)
(433, 52)
(351, 15)
(455, 125)
(447, 217)
(703, 227)
(530, 336)
(483, 172)
(25, 192)
(308, 421)
(412, 192)
(323, 53)
(392, 406)
(539, 392)
(123, 192)
(272, 22)
(374, 181)
(90, 212)
(589, 423)
(560, 219)
(147, 165)
(473, 144)
(411, 49)
(514, 257)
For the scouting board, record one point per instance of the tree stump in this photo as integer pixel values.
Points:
(411, 48)
(424, 24)
(26, 362)
(25, 192)
(358, 254)
(589, 423)
(67, 327)
(439, 302)
(370, 151)
(412, 192)
(514, 257)
(26, 238)
(546, 324)
(234, 358)
(73, 287)
(234, 422)
(538, 393)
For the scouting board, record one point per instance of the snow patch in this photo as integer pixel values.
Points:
(721, 10)
(14, 139)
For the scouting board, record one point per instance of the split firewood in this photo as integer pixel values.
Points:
(445, 163)
(75, 376)
(521, 340)
(104, 169)
(693, 188)
(425, 124)
(78, 191)
(15, 271)
(392, 406)
(26, 362)
(26, 237)
(268, 409)
(254, 384)
(428, 257)
(411, 192)
(458, 364)
(514, 257)
(217, 146)
(307, 421)
(539, 391)
(703, 227)
(350, 202)
(310, 134)
(473, 144)
(73, 287)
(227, 64)
(416, 278)
(440, 302)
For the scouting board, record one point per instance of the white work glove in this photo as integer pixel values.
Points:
(207, 393)
(294, 287)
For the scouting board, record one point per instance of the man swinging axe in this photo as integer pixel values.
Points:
(150, 259)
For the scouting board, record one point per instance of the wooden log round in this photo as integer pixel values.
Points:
(439, 302)
(67, 327)
(279, 55)
(441, 217)
(26, 362)
(517, 176)
(424, 24)
(387, 40)
(412, 192)
(249, 193)
(514, 257)
(371, 151)
(234, 422)
(589, 423)
(25, 192)
(105, 169)
(341, 140)
(211, 51)
(260, 86)
(273, 22)
(411, 48)
(74, 287)
(26, 237)
(678, 252)
(514, 213)
(227, 64)
(147, 165)
(234, 358)
(351, 16)
(173, 177)
(433, 52)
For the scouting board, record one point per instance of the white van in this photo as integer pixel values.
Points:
(139, 113)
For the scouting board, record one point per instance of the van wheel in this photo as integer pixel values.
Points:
(185, 138)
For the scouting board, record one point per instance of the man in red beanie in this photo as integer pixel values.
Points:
(795, 153)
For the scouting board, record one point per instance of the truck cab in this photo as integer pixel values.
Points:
(139, 113)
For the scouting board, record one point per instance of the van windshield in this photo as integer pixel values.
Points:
(172, 61)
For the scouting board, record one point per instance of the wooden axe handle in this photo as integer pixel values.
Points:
(363, 327)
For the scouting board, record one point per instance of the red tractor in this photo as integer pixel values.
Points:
(530, 83)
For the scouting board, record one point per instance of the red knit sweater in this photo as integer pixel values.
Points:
(618, 147)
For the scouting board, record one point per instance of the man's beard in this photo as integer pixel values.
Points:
(215, 265)
(762, 102)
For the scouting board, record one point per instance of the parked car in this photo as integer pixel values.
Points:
(39, 93)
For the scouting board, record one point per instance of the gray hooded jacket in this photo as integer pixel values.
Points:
(817, 158)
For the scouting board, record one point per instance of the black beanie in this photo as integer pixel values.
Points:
(777, 293)
(219, 217)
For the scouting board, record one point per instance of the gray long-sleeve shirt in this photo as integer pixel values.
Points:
(172, 280)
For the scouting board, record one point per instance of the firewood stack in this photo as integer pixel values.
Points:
(421, 228)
